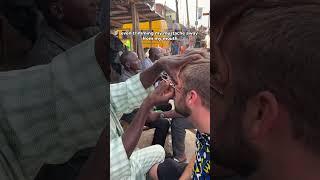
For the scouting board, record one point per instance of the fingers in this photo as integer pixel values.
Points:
(163, 87)
(201, 52)
(181, 63)
(169, 94)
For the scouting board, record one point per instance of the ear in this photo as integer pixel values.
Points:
(192, 98)
(261, 115)
(56, 10)
(127, 64)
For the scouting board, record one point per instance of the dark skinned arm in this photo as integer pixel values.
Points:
(169, 64)
(149, 76)
(132, 134)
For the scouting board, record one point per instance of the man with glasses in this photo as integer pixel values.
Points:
(265, 89)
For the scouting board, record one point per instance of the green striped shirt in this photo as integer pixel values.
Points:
(49, 112)
(125, 97)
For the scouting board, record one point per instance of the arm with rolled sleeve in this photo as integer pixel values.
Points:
(127, 96)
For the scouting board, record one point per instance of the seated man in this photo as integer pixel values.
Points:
(130, 63)
(192, 100)
(50, 112)
(154, 54)
(126, 162)
(64, 27)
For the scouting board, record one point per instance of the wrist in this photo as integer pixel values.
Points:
(159, 65)
(148, 103)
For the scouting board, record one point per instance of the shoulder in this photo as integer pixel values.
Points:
(43, 51)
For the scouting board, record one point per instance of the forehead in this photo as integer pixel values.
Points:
(132, 55)
(155, 51)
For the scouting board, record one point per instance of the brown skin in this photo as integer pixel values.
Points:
(132, 63)
(172, 66)
(70, 17)
(258, 132)
(95, 167)
(156, 54)
(132, 135)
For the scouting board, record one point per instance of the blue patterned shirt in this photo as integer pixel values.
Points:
(201, 169)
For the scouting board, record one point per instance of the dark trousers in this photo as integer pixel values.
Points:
(178, 134)
(161, 128)
(170, 169)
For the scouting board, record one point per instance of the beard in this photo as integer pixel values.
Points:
(182, 109)
(231, 149)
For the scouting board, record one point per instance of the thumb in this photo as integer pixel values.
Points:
(169, 93)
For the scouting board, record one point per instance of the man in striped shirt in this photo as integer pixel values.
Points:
(49, 112)
(126, 161)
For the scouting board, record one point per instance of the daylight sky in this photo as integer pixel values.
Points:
(192, 10)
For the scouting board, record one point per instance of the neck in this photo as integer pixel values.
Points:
(202, 120)
(294, 163)
(129, 70)
(70, 32)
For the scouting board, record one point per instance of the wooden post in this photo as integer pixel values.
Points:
(134, 25)
(137, 41)
(177, 12)
(150, 30)
(188, 20)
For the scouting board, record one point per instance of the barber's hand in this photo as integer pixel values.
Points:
(173, 64)
(201, 52)
(162, 94)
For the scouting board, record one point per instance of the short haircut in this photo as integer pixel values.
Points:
(152, 51)
(124, 57)
(277, 49)
(196, 76)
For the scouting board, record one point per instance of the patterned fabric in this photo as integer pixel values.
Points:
(50, 112)
(125, 97)
(126, 75)
(201, 169)
(146, 63)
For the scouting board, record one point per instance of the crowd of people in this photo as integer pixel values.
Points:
(177, 119)
(55, 95)
(59, 112)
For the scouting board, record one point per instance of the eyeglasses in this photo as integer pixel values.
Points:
(235, 16)
(165, 77)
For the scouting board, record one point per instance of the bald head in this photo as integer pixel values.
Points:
(154, 54)
(130, 61)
